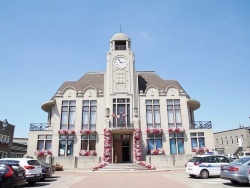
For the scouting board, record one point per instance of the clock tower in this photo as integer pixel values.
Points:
(120, 77)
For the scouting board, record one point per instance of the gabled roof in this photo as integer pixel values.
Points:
(90, 79)
(150, 78)
(96, 80)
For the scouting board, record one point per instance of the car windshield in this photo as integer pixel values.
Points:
(241, 160)
(195, 159)
(33, 162)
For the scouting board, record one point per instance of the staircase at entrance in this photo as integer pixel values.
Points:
(123, 167)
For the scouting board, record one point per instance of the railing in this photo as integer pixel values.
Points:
(122, 126)
(200, 125)
(40, 127)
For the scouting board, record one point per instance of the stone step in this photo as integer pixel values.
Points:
(123, 167)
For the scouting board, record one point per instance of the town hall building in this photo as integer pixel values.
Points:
(120, 115)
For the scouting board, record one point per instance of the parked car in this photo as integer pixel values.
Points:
(236, 171)
(33, 169)
(205, 166)
(244, 154)
(46, 170)
(12, 175)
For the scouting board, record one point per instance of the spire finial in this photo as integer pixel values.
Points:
(120, 28)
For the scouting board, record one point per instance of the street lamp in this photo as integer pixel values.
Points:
(5, 124)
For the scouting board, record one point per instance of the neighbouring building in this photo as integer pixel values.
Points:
(19, 147)
(120, 116)
(6, 138)
(232, 141)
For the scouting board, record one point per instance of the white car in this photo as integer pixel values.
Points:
(205, 166)
(32, 168)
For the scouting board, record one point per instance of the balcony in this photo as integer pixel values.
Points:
(40, 127)
(200, 125)
(122, 126)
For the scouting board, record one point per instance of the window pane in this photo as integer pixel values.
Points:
(40, 144)
(201, 142)
(70, 144)
(92, 136)
(41, 136)
(157, 117)
(84, 145)
(150, 145)
(93, 103)
(64, 120)
(180, 142)
(194, 143)
(158, 144)
(71, 137)
(84, 136)
(71, 103)
(170, 117)
(48, 144)
(169, 101)
(85, 103)
(192, 134)
(65, 103)
(92, 144)
(155, 101)
(150, 135)
(176, 101)
(93, 118)
(62, 145)
(149, 117)
(173, 150)
(178, 116)
(48, 136)
(201, 134)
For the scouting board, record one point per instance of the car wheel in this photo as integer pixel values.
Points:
(192, 176)
(234, 182)
(31, 182)
(204, 174)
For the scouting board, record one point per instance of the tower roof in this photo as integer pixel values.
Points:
(120, 36)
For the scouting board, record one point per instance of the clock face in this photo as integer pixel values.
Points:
(120, 62)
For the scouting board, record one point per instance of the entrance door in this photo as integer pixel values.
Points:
(121, 148)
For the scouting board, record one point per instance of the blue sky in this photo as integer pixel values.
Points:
(204, 45)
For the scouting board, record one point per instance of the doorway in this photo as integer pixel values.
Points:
(121, 150)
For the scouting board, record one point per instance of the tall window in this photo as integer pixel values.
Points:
(232, 140)
(242, 139)
(174, 113)
(217, 143)
(197, 140)
(44, 142)
(121, 112)
(154, 141)
(153, 114)
(237, 139)
(226, 140)
(221, 141)
(176, 141)
(50, 116)
(68, 115)
(66, 145)
(88, 142)
(89, 114)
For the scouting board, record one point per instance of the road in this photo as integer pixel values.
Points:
(154, 179)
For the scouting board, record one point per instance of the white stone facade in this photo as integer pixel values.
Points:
(122, 98)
